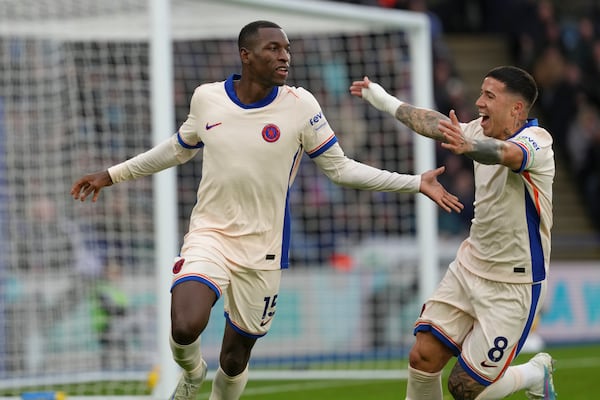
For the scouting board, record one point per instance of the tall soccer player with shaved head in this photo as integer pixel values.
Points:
(484, 307)
(254, 130)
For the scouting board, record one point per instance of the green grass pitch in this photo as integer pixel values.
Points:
(577, 373)
(576, 376)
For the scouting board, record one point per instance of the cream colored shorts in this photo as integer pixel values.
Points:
(250, 295)
(485, 323)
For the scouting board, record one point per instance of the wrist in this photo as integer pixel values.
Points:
(391, 105)
(380, 99)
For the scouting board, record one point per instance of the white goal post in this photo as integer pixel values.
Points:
(82, 85)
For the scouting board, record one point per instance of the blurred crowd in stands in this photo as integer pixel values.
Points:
(559, 43)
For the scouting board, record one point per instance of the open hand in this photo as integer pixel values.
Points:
(436, 192)
(91, 183)
(357, 87)
(456, 142)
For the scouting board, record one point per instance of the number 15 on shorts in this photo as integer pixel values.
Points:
(269, 310)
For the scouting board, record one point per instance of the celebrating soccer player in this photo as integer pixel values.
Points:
(485, 305)
(253, 129)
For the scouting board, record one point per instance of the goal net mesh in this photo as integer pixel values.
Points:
(78, 280)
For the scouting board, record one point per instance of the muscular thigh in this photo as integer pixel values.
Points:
(197, 285)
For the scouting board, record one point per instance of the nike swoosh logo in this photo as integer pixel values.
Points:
(212, 126)
(486, 365)
(265, 321)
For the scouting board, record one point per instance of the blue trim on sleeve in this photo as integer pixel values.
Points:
(183, 144)
(530, 122)
(230, 90)
(238, 330)
(523, 163)
(324, 148)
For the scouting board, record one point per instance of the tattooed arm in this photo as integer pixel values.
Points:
(421, 120)
(434, 125)
(485, 151)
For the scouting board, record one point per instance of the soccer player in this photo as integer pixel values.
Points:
(485, 305)
(253, 129)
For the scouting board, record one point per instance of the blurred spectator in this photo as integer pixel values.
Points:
(558, 84)
(581, 138)
(108, 307)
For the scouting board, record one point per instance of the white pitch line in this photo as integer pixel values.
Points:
(293, 387)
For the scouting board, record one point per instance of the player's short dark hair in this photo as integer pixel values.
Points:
(517, 81)
(249, 32)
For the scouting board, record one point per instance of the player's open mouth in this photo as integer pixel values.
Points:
(282, 71)
(484, 119)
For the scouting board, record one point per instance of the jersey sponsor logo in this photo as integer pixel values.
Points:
(210, 126)
(177, 266)
(316, 118)
(533, 142)
(318, 121)
(271, 133)
(484, 364)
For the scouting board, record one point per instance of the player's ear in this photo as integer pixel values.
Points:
(244, 54)
(518, 108)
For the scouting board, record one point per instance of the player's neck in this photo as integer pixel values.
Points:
(249, 92)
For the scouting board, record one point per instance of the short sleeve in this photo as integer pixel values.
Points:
(317, 135)
(188, 131)
(536, 144)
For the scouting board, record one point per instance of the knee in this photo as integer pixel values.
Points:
(420, 361)
(233, 363)
(184, 332)
(427, 360)
(188, 322)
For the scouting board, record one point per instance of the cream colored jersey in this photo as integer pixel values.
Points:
(251, 155)
(509, 240)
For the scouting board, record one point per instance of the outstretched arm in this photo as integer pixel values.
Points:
(164, 155)
(431, 188)
(485, 151)
(350, 173)
(421, 120)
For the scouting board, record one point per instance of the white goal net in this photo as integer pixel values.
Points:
(78, 298)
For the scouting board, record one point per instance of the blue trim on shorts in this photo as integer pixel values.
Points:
(425, 327)
(201, 280)
(472, 374)
(241, 332)
(536, 292)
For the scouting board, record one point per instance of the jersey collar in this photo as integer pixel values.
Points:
(530, 122)
(229, 88)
